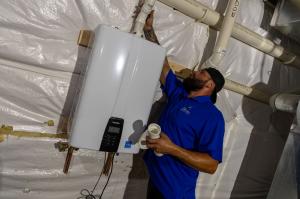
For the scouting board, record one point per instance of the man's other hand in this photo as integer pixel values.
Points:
(161, 145)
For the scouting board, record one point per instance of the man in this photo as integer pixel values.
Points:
(192, 131)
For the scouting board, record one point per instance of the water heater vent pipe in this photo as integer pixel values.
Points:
(212, 18)
(224, 35)
(142, 16)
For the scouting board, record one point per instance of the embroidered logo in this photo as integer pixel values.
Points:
(186, 110)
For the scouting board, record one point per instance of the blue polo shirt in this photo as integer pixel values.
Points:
(191, 123)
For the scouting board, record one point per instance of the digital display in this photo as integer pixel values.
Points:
(113, 129)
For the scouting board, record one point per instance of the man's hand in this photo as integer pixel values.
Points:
(200, 161)
(148, 29)
(149, 22)
(162, 145)
(151, 36)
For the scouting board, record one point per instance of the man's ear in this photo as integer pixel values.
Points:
(210, 85)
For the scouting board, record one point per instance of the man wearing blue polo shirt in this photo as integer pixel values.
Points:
(193, 131)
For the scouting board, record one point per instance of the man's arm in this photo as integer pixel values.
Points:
(151, 36)
(200, 161)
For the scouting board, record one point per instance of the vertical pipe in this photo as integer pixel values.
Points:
(253, 93)
(224, 35)
(142, 16)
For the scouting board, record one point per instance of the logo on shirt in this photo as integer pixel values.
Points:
(186, 110)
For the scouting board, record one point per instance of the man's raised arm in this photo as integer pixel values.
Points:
(151, 36)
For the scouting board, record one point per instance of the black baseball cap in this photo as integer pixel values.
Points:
(218, 79)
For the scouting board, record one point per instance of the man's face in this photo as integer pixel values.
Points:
(196, 81)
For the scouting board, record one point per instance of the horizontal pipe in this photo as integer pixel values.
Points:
(287, 102)
(250, 92)
(212, 18)
(253, 93)
(195, 10)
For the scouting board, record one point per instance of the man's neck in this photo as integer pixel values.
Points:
(193, 94)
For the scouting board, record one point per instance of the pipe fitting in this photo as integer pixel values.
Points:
(224, 36)
(287, 102)
(142, 16)
(213, 19)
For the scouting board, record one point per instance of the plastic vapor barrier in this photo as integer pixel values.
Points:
(41, 64)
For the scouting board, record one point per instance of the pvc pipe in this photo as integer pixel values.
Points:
(194, 10)
(212, 18)
(224, 35)
(247, 91)
(142, 16)
(257, 41)
(287, 102)
(153, 131)
(252, 93)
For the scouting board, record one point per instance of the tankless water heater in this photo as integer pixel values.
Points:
(117, 92)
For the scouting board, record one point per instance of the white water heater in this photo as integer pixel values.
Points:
(117, 92)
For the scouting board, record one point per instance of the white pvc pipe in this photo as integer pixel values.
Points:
(142, 16)
(257, 41)
(207, 16)
(247, 91)
(224, 35)
(287, 102)
(253, 93)
(194, 10)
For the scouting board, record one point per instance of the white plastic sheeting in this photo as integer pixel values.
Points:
(38, 57)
